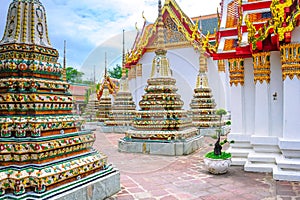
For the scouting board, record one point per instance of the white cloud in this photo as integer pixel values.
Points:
(88, 23)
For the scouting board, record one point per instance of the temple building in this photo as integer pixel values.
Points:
(182, 40)
(161, 126)
(203, 105)
(43, 151)
(257, 49)
(123, 109)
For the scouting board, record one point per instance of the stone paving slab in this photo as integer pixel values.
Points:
(148, 177)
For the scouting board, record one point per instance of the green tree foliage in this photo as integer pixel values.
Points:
(73, 75)
(116, 72)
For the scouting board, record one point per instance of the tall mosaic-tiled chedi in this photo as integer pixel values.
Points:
(43, 153)
(203, 104)
(161, 126)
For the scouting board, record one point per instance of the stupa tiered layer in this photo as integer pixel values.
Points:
(203, 104)
(90, 113)
(161, 126)
(43, 153)
(123, 109)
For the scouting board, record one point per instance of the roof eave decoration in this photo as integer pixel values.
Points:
(185, 25)
(278, 29)
(267, 36)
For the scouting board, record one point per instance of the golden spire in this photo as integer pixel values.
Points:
(124, 81)
(202, 81)
(160, 63)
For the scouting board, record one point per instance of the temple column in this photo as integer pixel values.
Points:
(224, 76)
(139, 82)
(265, 146)
(241, 148)
(289, 144)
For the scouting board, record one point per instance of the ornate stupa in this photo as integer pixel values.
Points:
(107, 88)
(43, 153)
(161, 126)
(92, 107)
(203, 105)
(123, 109)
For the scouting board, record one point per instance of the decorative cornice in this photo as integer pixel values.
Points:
(290, 59)
(236, 70)
(261, 64)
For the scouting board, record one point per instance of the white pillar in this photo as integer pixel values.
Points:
(249, 97)
(291, 124)
(262, 109)
(276, 89)
(237, 109)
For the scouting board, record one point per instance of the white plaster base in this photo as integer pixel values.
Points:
(288, 165)
(97, 186)
(168, 148)
(115, 129)
(212, 131)
(265, 152)
(90, 125)
(240, 148)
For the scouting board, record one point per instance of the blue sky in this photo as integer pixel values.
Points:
(89, 24)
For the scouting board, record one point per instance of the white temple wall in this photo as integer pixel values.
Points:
(276, 88)
(216, 82)
(249, 97)
(184, 63)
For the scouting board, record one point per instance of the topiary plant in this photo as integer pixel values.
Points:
(217, 153)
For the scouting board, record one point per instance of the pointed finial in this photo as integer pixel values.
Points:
(160, 30)
(123, 56)
(144, 17)
(136, 27)
(105, 72)
(64, 73)
(94, 74)
(123, 53)
(65, 59)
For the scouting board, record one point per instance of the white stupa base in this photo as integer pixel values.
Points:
(115, 129)
(168, 148)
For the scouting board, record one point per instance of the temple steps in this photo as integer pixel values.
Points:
(290, 175)
(259, 167)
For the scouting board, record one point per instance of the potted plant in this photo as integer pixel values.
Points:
(216, 161)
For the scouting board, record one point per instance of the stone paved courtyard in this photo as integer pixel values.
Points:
(150, 177)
